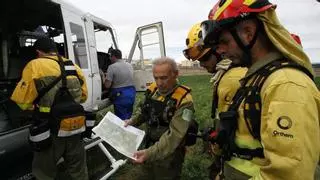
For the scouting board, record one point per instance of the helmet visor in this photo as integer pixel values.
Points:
(211, 30)
(195, 52)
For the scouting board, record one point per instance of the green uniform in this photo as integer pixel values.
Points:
(165, 157)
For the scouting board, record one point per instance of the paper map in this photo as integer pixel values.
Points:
(125, 140)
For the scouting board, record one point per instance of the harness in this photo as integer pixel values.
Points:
(158, 114)
(47, 123)
(249, 93)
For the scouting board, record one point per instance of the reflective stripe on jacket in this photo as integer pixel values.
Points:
(40, 73)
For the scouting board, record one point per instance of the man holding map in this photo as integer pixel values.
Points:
(168, 111)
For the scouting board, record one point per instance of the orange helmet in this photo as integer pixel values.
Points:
(195, 49)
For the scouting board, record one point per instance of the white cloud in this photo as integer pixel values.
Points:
(298, 16)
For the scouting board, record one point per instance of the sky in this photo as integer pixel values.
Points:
(301, 17)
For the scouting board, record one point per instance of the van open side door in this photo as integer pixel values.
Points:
(78, 48)
(148, 44)
(101, 37)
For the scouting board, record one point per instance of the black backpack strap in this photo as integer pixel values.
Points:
(63, 73)
(44, 90)
(61, 77)
(69, 67)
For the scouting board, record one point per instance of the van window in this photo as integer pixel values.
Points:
(79, 46)
(104, 41)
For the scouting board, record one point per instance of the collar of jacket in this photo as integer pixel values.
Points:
(262, 62)
(49, 56)
(169, 92)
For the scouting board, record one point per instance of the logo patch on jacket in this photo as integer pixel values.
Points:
(187, 115)
(284, 123)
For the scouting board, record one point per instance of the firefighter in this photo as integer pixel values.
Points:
(33, 92)
(271, 129)
(168, 111)
(225, 83)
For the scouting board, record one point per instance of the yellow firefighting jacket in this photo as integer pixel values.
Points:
(289, 126)
(228, 86)
(178, 126)
(38, 74)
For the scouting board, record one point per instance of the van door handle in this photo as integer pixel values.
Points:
(91, 75)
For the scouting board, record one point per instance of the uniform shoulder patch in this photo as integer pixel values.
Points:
(187, 115)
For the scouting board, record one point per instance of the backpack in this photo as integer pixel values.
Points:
(66, 117)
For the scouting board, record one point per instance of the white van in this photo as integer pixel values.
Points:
(81, 37)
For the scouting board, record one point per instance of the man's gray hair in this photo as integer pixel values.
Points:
(166, 60)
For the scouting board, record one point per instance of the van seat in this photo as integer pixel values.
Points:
(18, 62)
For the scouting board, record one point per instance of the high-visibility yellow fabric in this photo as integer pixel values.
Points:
(281, 38)
(289, 127)
(39, 73)
(228, 86)
(73, 123)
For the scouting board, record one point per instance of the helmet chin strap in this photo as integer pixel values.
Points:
(247, 58)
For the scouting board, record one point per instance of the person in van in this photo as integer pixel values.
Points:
(52, 138)
(119, 78)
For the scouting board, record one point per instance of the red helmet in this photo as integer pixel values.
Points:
(226, 13)
(234, 8)
(296, 38)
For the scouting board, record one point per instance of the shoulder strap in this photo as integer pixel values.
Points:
(50, 86)
(250, 94)
(152, 88)
(252, 103)
(179, 93)
(46, 89)
(63, 73)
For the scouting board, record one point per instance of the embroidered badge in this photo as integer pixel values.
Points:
(187, 115)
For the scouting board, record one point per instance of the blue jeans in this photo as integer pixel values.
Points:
(123, 100)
